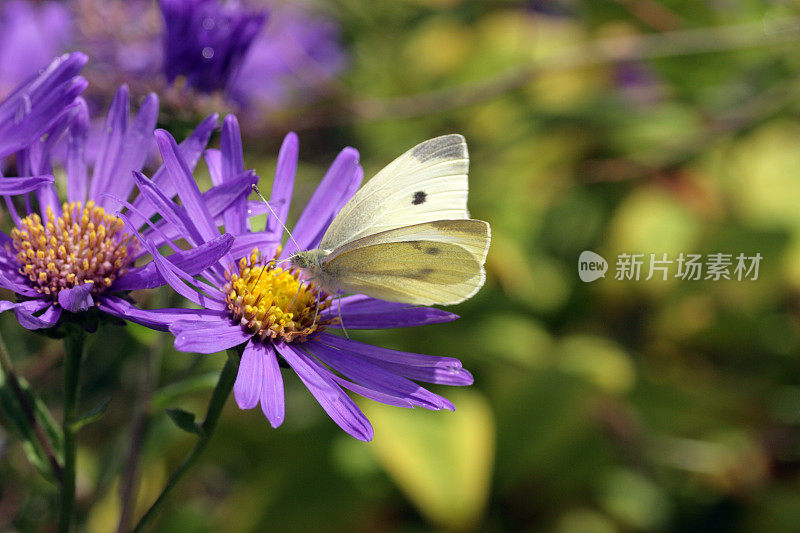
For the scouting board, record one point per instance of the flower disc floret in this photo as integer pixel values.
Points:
(83, 245)
(272, 302)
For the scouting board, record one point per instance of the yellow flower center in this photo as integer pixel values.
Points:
(83, 245)
(273, 302)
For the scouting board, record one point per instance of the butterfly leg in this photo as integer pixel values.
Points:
(316, 313)
(341, 321)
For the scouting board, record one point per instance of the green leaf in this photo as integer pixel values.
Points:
(184, 420)
(90, 416)
(442, 461)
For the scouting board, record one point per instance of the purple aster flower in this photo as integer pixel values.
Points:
(205, 41)
(246, 298)
(31, 34)
(77, 256)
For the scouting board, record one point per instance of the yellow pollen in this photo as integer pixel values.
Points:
(273, 302)
(61, 254)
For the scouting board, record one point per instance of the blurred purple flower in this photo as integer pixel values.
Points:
(77, 256)
(297, 53)
(205, 41)
(219, 48)
(246, 299)
(31, 34)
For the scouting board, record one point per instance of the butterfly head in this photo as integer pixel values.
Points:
(309, 260)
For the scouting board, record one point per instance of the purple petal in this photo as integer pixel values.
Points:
(12, 281)
(259, 207)
(171, 212)
(28, 112)
(12, 186)
(372, 394)
(213, 159)
(76, 154)
(158, 319)
(207, 337)
(320, 209)
(376, 378)
(272, 397)
(221, 198)
(186, 185)
(191, 149)
(283, 185)
(441, 376)
(25, 313)
(330, 396)
(247, 388)
(175, 277)
(266, 242)
(77, 298)
(5, 305)
(233, 165)
(113, 138)
(363, 312)
(134, 150)
(428, 368)
(192, 262)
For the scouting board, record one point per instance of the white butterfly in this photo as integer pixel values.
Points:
(406, 235)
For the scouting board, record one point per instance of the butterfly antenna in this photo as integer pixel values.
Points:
(255, 190)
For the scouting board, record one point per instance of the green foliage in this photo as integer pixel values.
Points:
(612, 406)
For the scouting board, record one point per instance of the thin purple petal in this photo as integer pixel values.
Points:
(272, 396)
(134, 150)
(247, 388)
(77, 298)
(12, 186)
(376, 378)
(363, 312)
(283, 185)
(330, 396)
(26, 314)
(159, 319)
(76, 154)
(192, 261)
(320, 210)
(186, 185)
(207, 337)
(116, 126)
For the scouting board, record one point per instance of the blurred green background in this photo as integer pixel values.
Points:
(607, 125)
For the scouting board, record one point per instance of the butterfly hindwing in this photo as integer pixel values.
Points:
(440, 262)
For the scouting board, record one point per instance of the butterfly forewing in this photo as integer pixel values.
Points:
(428, 182)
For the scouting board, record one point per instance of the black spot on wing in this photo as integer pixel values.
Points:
(421, 273)
(444, 147)
(419, 198)
(432, 250)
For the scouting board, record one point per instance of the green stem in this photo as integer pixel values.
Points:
(74, 343)
(28, 409)
(221, 392)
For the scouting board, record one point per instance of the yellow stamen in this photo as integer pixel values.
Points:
(274, 302)
(62, 253)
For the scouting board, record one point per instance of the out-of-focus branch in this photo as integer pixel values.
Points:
(29, 411)
(599, 51)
